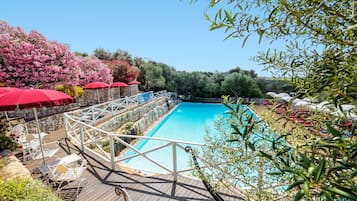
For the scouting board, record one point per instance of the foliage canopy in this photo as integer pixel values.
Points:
(321, 43)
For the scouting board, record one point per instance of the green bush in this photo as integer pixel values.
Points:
(25, 189)
(5, 141)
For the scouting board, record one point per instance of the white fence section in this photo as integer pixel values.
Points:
(92, 138)
(93, 113)
(79, 126)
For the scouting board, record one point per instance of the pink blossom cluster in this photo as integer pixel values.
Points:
(94, 70)
(30, 60)
(122, 71)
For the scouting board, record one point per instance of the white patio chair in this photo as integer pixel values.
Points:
(21, 133)
(68, 173)
(34, 150)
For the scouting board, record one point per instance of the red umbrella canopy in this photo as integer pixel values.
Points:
(134, 82)
(5, 90)
(29, 98)
(96, 85)
(119, 84)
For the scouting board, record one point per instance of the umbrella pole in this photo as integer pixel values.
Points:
(7, 116)
(39, 135)
(109, 94)
(98, 96)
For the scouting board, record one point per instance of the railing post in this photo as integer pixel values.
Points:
(174, 158)
(112, 108)
(112, 151)
(65, 122)
(126, 102)
(92, 111)
(82, 138)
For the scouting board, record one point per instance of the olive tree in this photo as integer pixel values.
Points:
(320, 56)
(320, 40)
(240, 84)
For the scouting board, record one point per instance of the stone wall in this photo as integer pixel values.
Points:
(91, 97)
(142, 116)
(135, 121)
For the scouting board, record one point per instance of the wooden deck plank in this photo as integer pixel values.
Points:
(102, 180)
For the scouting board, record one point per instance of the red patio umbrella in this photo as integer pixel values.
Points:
(134, 82)
(4, 90)
(118, 84)
(97, 85)
(33, 98)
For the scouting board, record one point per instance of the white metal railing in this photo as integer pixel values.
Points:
(79, 126)
(95, 112)
(92, 138)
(103, 143)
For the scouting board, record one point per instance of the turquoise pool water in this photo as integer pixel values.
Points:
(188, 122)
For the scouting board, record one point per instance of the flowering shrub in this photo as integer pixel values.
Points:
(122, 71)
(30, 60)
(92, 70)
(71, 90)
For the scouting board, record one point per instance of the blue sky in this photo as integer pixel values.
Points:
(170, 31)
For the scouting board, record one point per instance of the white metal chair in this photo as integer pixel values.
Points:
(21, 133)
(34, 150)
(71, 172)
(30, 143)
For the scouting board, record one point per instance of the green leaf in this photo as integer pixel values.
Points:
(272, 13)
(286, 163)
(341, 192)
(212, 3)
(328, 196)
(207, 18)
(229, 35)
(261, 34)
(305, 162)
(251, 146)
(333, 131)
(275, 173)
(219, 14)
(245, 40)
(216, 26)
(305, 188)
(320, 168)
(263, 154)
(298, 196)
(228, 16)
(297, 183)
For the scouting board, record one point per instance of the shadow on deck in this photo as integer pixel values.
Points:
(102, 180)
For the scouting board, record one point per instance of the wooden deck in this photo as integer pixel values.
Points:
(102, 180)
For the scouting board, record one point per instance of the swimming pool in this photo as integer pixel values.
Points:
(187, 122)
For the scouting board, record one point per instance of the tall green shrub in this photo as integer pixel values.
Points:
(6, 142)
(25, 189)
